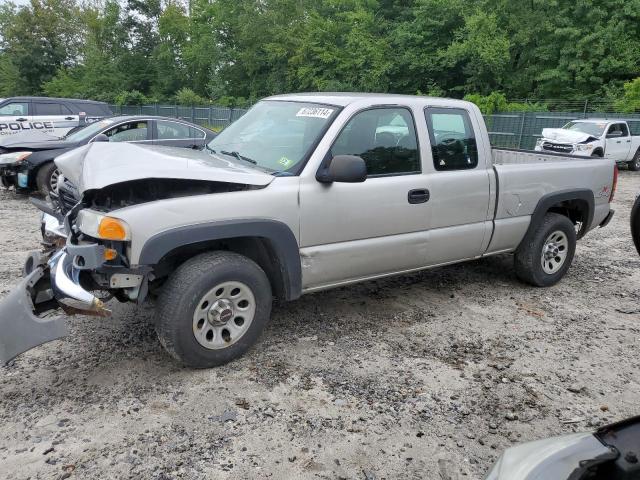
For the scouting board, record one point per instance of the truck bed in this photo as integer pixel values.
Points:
(524, 177)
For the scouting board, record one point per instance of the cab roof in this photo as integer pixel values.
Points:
(342, 99)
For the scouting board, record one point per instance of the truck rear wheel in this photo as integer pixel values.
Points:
(635, 163)
(546, 254)
(213, 308)
(635, 224)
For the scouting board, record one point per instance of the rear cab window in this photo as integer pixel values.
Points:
(453, 140)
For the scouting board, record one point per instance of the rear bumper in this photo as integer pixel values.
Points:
(46, 286)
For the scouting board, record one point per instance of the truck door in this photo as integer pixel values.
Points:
(350, 231)
(460, 187)
(618, 142)
(14, 117)
(53, 117)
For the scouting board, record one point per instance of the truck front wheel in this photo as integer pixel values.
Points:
(546, 254)
(213, 308)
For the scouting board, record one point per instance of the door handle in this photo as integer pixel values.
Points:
(619, 141)
(68, 118)
(21, 119)
(418, 195)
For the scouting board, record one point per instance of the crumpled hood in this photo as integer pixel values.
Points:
(566, 136)
(100, 164)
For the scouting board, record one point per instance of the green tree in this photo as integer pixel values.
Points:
(630, 101)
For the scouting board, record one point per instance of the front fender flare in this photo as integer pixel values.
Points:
(278, 234)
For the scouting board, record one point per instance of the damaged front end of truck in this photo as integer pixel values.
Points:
(51, 281)
(85, 258)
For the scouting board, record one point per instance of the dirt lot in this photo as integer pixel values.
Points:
(401, 378)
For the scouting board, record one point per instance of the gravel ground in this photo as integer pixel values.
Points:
(402, 378)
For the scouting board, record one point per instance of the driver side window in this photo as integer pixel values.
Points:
(453, 142)
(385, 138)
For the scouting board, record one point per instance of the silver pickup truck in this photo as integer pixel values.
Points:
(305, 192)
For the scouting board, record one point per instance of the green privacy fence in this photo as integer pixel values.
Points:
(208, 116)
(522, 129)
(508, 130)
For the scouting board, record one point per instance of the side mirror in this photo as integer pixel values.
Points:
(614, 134)
(344, 168)
(101, 138)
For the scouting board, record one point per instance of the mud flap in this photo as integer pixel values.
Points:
(20, 328)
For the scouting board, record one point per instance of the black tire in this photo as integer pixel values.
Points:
(635, 224)
(528, 258)
(634, 164)
(182, 294)
(597, 154)
(44, 176)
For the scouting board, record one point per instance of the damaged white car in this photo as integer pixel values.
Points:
(305, 192)
(610, 139)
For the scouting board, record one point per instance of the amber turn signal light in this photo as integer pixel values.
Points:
(110, 254)
(112, 229)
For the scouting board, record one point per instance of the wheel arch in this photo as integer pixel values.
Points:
(270, 243)
(576, 204)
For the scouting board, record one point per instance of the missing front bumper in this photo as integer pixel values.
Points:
(20, 328)
(46, 286)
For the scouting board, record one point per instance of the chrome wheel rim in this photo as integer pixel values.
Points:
(554, 252)
(53, 181)
(223, 315)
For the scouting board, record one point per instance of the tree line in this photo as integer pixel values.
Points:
(232, 52)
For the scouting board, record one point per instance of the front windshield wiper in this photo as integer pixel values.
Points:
(239, 157)
(206, 145)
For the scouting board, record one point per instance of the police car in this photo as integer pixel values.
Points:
(44, 115)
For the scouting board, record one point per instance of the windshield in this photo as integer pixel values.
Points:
(275, 135)
(87, 132)
(594, 129)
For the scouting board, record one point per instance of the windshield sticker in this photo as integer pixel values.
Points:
(315, 112)
(285, 162)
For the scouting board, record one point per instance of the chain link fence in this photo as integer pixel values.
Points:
(508, 130)
(209, 116)
(522, 129)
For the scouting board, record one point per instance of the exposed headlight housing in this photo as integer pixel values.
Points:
(583, 147)
(539, 142)
(101, 226)
(13, 157)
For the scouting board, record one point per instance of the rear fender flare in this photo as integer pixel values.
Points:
(549, 200)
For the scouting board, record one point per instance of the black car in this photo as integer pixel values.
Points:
(26, 161)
